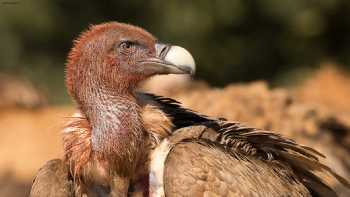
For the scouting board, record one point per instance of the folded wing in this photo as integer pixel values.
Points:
(202, 156)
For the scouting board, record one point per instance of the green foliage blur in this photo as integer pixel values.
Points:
(231, 40)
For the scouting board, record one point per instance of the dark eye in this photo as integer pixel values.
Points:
(126, 45)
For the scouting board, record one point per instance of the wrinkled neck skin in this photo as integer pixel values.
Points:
(117, 134)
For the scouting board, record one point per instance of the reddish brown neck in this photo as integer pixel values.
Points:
(116, 127)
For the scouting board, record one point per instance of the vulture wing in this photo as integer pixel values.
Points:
(200, 156)
(52, 180)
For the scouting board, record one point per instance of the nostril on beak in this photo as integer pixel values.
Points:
(162, 50)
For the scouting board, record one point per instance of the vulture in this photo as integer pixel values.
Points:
(122, 142)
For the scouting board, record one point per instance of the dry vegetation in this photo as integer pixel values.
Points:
(316, 114)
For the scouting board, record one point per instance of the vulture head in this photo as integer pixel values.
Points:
(117, 56)
(104, 66)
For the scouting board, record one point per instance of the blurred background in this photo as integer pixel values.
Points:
(280, 65)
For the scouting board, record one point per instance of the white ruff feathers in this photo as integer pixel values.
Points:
(156, 177)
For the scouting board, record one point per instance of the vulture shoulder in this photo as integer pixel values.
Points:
(52, 180)
(197, 155)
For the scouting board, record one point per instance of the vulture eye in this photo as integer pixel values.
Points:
(126, 45)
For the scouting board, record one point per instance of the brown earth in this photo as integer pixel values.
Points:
(316, 114)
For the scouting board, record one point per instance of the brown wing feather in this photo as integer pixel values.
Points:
(198, 169)
(52, 180)
(252, 144)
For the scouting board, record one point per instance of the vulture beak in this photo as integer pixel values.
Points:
(169, 60)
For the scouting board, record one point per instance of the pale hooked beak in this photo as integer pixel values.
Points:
(169, 60)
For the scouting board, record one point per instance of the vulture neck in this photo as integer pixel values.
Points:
(116, 127)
